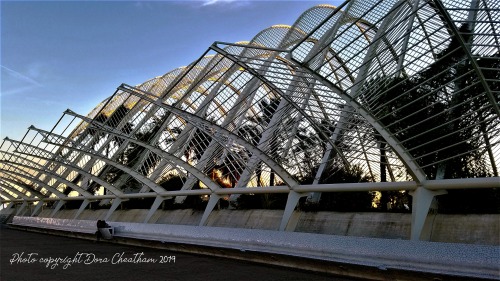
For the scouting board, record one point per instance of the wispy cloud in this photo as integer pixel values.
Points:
(143, 5)
(15, 82)
(213, 2)
(221, 5)
(216, 2)
(21, 76)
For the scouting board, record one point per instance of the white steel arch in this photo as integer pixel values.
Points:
(404, 87)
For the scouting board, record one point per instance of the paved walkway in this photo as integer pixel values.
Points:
(33, 256)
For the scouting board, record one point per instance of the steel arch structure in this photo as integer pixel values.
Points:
(406, 91)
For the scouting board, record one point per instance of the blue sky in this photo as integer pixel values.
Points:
(73, 54)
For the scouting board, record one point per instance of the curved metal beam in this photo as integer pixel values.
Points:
(451, 26)
(7, 195)
(200, 175)
(101, 182)
(212, 128)
(283, 95)
(51, 189)
(124, 168)
(19, 184)
(14, 190)
(42, 184)
(32, 179)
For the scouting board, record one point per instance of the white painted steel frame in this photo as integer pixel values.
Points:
(315, 68)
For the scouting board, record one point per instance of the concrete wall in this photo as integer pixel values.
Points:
(381, 225)
(471, 229)
(480, 229)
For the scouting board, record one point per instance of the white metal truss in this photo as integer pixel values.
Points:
(408, 88)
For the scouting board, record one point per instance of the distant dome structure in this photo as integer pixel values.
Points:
(369, 96)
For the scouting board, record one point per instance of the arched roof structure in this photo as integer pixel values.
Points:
(407, 91)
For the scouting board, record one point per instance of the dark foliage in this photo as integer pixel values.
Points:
(72, 204)
(262, 201)
(138, 203)
(356, 201)
(467, 201)
(173, 183)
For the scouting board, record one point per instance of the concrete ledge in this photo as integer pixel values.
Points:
(371, 254)
(81, 226)
(481, 229)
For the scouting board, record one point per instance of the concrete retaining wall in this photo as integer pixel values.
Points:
(471, 229)
(382, 225)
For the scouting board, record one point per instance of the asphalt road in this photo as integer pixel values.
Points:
(34, 256)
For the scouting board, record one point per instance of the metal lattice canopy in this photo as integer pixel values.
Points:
(406, 92)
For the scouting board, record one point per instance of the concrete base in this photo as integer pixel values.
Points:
(470, 229)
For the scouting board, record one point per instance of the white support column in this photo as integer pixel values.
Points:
(176, 149)
(57, 208)
(154, 207)
(291, 203)
(84, 205)
(37, 208)
(179, 146)
(21, 208)
(214, 198)
(116, 203)
(296, 125)
(314, 197)
(221, 133)
(422, 199)
(472, 17)
(401, 59)
(262, 145)
(248, 92)
(269, 132)
(9, 205)
(29, 209)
